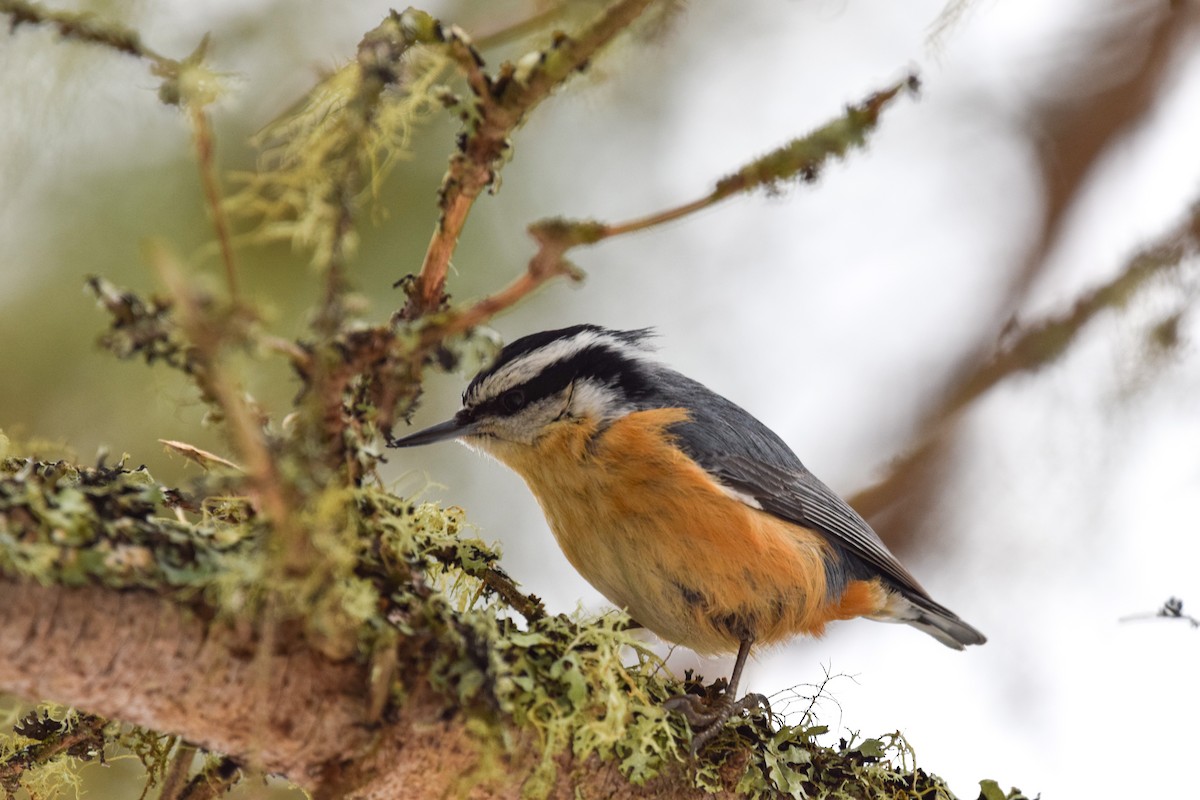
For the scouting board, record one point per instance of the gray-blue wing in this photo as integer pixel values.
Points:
(745, 455)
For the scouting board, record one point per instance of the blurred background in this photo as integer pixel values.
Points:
(1051, 142)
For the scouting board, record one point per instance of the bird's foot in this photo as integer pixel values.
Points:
(707, 718)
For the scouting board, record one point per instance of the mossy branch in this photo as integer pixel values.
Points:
(802, 159)
(560, 691)
(74, 26)
(77, 735)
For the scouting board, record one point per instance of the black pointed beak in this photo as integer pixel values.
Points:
(450, 429)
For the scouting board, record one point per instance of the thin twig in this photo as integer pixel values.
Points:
(175, 782)
(528, 606)
(496, 579)
(301, 359)
(213, 781)
(485, 309)
(202, 137)
(1172, 609)
(86, 729)
(802, 158)
(79, 27)
(659, 218)
(266, 483)
(501, 104)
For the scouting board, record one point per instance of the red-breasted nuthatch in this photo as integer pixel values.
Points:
(679, 506)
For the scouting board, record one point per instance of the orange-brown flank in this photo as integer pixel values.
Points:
(649, 528)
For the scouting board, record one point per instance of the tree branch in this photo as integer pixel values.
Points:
(139, 658)
(80, 732)
(802, 158)
(79, 27)
(501, 104)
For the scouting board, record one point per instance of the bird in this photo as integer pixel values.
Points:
(679, 506)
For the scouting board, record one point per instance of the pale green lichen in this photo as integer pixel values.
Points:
(348, 132)
(45, 745)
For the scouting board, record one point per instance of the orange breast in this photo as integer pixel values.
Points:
(651, 530)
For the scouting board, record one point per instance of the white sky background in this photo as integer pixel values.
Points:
(834, 313)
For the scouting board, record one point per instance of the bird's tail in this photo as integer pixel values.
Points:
(938, 621)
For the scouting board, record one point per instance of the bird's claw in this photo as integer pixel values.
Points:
(707, 719)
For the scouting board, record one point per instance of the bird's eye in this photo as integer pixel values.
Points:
(513, 400)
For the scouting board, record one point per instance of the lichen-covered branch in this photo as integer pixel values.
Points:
(78, 735)
(500, 104)
(802, 158)
(172, 671)
(78, 27)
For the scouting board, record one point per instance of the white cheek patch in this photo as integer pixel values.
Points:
(593, 399)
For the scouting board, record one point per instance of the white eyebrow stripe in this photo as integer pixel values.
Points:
(530, 365)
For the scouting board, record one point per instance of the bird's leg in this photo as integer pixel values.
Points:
(707, 719)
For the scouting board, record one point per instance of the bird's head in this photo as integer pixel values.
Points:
(560, 377)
